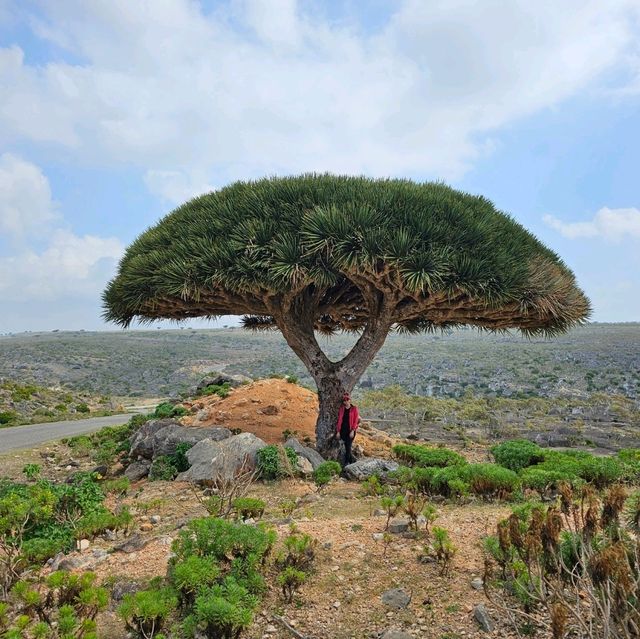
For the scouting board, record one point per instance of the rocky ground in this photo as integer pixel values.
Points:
(354, 568)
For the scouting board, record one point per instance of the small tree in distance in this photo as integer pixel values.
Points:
(324, 253)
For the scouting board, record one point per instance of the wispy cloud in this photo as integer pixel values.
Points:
(609, 224)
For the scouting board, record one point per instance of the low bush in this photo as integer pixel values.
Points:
(325, 472)
(443, 549)
(246, 507)
(571, 566)
(146, 611)
(426, 456)
(544, 479)
(295, 562)
(119, 486)
(60, 606)
(217, 568)
(7, 417)
(276, 462)
(221, 390)
(485, 480)
(167, 467)
(517, 454)
(166, 410)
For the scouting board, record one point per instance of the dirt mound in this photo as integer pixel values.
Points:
(269, 407)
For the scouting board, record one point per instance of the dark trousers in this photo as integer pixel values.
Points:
(348, 457)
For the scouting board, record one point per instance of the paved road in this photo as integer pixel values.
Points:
(18, 437)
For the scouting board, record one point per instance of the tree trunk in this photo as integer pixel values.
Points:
(333, 379)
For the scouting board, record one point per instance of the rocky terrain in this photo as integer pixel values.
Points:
(594, 358)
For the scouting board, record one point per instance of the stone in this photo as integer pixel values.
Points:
(378, 536)
(133, 544)
(83, 544)
(146, 527)
(305, 467)
(392, 633)
(210, 459)
(218, 379)
(162, 437)
(72, 563)
(477, 583)
(101, 470)
(305, 451)
(397, 526)
(481, 615)
(378, 512)
(155, 519)
(309, 498)
(138, 470)
(364, 468)
(396, 598)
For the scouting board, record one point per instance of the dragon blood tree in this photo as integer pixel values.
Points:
(325, 253)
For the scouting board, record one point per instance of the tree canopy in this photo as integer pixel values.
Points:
(332, 251)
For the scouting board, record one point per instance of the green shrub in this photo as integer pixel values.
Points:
(486, 480)
(63, 605)
(372, 487)
(426, 456)
(162, 469)
(224, 610)
(7, 417)
(193, 574)
(543, 479)
(290, 580)
(119, 486)
(82, 408)
(166, 410)
(325, 472)
(179, 457)
(517, 454)
(247, 507)
(221, 390)
(276, 462)
(146, 611)
(32, 471)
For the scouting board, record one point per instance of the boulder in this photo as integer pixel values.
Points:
(137, 470)
(398, 526)
(162, 436)
(305, 467)
(210, 459)
(364, 468)
(218, 379)
(305, 451)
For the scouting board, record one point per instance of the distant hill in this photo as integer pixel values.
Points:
(597, 357)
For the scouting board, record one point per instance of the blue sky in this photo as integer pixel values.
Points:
(113, 112)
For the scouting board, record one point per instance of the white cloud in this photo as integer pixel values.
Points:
(68, 266)
(260, 87)
(176, 186)
(610, 224)
(25, 198)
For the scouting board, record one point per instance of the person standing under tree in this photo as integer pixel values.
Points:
(348, 422)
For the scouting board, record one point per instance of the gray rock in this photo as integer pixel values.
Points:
(305, 451)
(392, 633)
(162, 436)
(305, 467)
(210, 459)
(71, 563)
(477, 583)
(397, 526)
(396, 598)
(133, 544)
(137, 470)
(155, 519)
(364, 468)
(481, 615)
(218, 379)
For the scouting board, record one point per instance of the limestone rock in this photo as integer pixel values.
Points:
(305, 451)
(481, 615)
(364, 468)
(218, 379)
(137, 470)
(210, 459)
(396, 598)
(162, 436)
(304, 466)
(392, 633)
(397, 526)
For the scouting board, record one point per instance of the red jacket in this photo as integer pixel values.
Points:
(354, 417)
